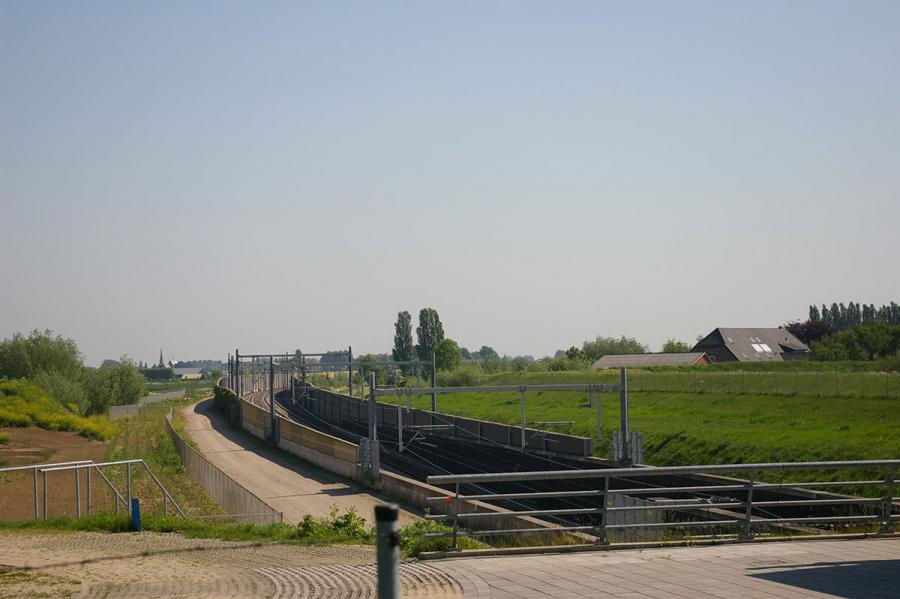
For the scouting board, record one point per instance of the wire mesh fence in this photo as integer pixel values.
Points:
(773, 382)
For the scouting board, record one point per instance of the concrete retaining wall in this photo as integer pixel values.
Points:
(330, 453)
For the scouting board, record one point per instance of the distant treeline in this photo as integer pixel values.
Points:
(844, 317)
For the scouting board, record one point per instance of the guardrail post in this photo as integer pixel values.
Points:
(387, 551)
(36, 513)
(88, 498)
(602, 538)
(45, 495)
(128, 484)
(888, 508)
(77, 493)
(455, 508)
(747, 530)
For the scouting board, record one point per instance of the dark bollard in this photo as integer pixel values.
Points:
(387, 545)
(135, 514)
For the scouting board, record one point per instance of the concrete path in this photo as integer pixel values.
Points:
(832, 568)
(287, 484)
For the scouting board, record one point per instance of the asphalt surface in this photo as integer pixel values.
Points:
(291, 487)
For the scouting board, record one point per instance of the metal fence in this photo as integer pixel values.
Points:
(732, 509)
(132, 410)
(84, 494)
(127, 411)
(239, 503)
(767, 382)
(155, 397)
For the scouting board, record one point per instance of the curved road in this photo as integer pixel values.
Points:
(288, 484)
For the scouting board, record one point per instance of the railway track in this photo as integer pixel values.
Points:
(427, 454)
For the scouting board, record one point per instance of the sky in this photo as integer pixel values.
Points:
(205, 176)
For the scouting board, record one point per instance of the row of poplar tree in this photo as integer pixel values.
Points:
(844, 317)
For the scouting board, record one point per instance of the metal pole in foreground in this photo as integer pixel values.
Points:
(387, 547)
(623, 414)
(350, 369)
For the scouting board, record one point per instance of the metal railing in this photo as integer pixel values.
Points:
(871, 510)
(90, 467)
(591, 389)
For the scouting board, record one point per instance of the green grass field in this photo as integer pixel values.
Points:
(702, 427)
(787, 381)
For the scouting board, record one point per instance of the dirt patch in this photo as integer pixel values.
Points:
(37, 446)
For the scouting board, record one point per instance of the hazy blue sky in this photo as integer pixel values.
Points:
(201, 176)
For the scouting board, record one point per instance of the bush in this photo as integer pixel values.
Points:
(4, 438)
(25, 404)
(869, 341)
(113, 386)
(413, 540)
(467, 375)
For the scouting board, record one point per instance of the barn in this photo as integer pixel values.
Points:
(751, 345)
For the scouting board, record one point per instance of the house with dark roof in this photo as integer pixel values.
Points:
(750, 345)
(648, 359)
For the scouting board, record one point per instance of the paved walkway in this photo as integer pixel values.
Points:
(834, 568)
(292, 487)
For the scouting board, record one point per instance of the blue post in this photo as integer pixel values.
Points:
(135, 514)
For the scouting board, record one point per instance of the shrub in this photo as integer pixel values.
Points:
(4, 438)
(25, 404)
(413, 540)
(466, 375)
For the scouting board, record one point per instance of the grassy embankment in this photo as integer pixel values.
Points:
(25, 404)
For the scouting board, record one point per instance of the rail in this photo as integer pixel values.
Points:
(751, 513)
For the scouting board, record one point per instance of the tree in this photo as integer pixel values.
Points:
(447, 355)
(573, 353)
(372, 365)
(116, 385)
(602, 346)
(403, 341)
(675, 347)
(24, 357)
(810, 331)
(430, 333)
(869, 341)
(488, 353)
(814, 313)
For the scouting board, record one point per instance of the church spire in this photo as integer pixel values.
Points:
(161, 363)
